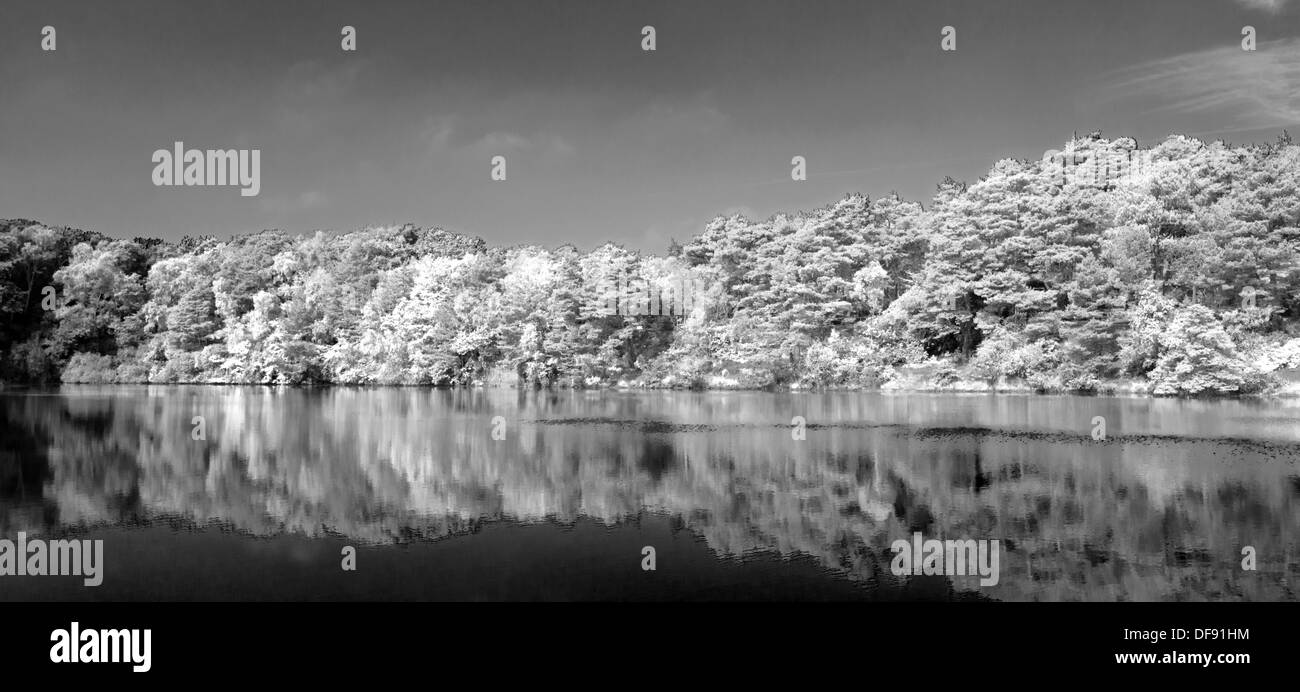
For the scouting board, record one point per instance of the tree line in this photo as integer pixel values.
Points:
(1182, 280)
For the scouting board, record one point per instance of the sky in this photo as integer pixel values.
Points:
(603, 141)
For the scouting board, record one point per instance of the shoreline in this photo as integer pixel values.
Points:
(1129, 388)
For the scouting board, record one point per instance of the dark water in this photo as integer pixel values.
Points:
(561, 508)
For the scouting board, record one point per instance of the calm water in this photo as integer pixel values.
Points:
(561, 508)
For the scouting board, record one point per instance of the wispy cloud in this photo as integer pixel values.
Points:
(683, 120)
(311, 199)
(437, 132)
(311, 93)
(1273, 6)
(1242, 89)
(546, 144)
(449, 132)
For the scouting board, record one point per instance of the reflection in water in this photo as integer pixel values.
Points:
(1159, 510)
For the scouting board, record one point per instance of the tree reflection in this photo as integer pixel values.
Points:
(1159, 511)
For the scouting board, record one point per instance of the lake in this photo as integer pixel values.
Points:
(562, 506)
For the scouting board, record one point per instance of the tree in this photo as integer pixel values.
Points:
(1198, 357)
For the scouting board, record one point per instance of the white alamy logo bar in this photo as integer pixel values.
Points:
(59, 558)
(209, 167)
(75, 645)
(952, 558)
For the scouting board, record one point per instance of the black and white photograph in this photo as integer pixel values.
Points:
(967, 315)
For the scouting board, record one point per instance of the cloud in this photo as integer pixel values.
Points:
(501, 141)
(448, 132)
(310, 93)
(311, 199)
(505, 142)
(1273, 6)
(698, 117)
(1259, 89)
(437, 132)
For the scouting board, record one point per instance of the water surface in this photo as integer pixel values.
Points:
(562, 507)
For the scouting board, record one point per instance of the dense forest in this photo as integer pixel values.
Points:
(1181, 279)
